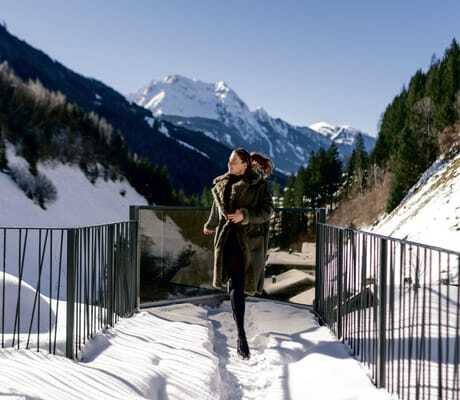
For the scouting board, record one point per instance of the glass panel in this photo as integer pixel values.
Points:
(177, 259)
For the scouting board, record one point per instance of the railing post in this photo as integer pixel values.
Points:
(69, 352)
(340, 284)
(381, 378)
(134, 216)
(320, 219)
(110, 282)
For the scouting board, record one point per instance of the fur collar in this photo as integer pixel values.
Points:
(250, 178)
(238, 189)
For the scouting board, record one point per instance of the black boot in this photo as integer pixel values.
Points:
(242, 347)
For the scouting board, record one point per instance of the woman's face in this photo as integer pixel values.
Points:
(235, 165)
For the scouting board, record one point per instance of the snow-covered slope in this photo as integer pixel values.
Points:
(78, 203)
(430, 213)
(217, 110)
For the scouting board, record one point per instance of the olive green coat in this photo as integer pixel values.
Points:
(251, 194)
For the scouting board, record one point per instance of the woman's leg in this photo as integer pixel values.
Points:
(235, 264)
(237, 296)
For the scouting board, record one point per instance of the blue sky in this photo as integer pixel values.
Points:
(303, 61)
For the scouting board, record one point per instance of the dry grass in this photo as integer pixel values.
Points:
(363, 208)
(452, 170)
(449, 140)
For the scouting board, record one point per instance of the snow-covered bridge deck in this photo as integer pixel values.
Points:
(187, 351)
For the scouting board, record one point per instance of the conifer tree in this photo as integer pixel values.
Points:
(332, 173)
(404, 170)
(3, 160)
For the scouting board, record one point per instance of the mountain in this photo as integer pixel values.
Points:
(216, 110)
(189, 170)
(343, 136)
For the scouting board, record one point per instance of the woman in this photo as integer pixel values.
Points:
(239, 218)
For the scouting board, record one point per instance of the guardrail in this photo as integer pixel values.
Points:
(396, 305)
(60, 286)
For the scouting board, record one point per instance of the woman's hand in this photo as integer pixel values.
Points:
(208, 232)
(236, 217)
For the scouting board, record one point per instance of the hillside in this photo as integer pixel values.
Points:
(430, 212)
(78, 201)
(189, 170)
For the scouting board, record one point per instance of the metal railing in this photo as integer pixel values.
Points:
(60, 286)
(396, 305)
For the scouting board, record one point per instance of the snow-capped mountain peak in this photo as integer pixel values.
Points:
(218, 111)
(342, 134)
(179, 95)
(222, 87)
(324, 128)
(261, 114)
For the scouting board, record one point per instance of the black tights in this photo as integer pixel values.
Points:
(234, 261)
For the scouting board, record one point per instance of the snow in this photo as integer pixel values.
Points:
(207, 104)
(177, 95)
(176, 352)
(9, 288)
(324, 128)
(164, 130)
(288, 280)
(188, 352)
(191, 147)
(281, 257)
(150, 121)
(283, 171)
(228, 138)
(182, 96)
(210, 134)
(79, 202)
(430, 213)
(343, 134)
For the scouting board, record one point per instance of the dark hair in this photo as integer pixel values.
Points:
(262, 163)
(255, 160)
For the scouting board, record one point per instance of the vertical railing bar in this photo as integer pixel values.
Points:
(51, 292)
(401, 316)
(3, 287)
(93, 281)
(17, 320)
(411, 317)
(440, 394)
(79, 263)
(58, 290)
(375, 310)
(455, 385)
(447, 336)
(86, 285)
(37, 292)
(110, 276)
(70, 298)
(416, 323)
(430, 302)
(340, 286)
(381, 380)
(391, 303)
(422, 351)
(100, 271)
